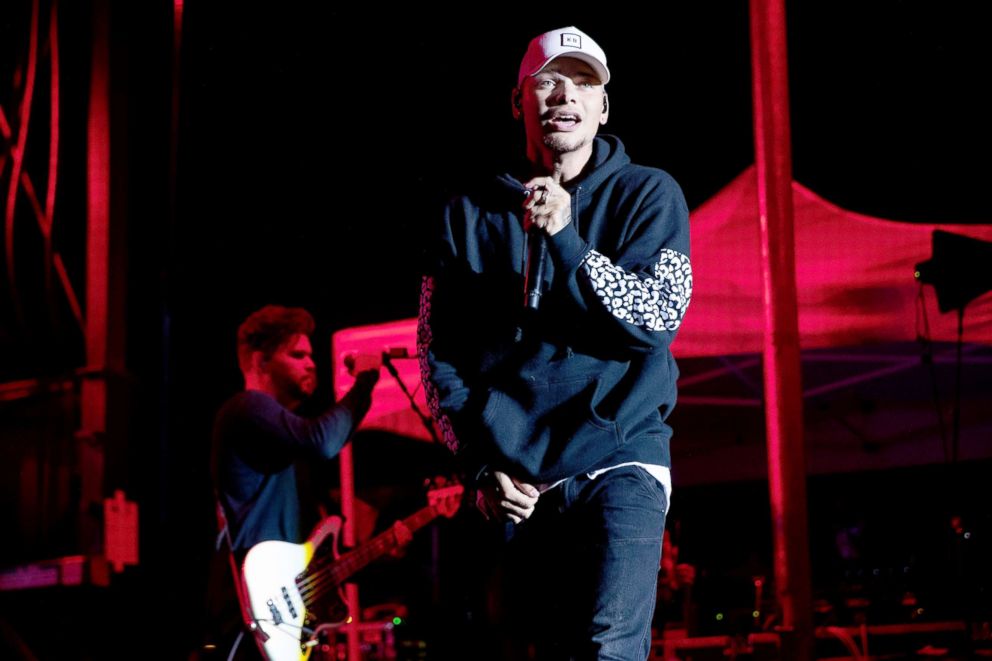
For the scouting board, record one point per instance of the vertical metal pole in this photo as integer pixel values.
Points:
(782, 379)
(93, 414)
(348, 536)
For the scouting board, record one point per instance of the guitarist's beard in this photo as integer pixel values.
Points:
(294, 391)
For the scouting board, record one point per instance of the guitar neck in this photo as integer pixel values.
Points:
(339, 570)
(325, 574)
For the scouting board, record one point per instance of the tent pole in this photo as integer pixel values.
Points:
(782, 380)
(349, 536)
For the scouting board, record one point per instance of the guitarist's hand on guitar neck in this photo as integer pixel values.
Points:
(403, 536)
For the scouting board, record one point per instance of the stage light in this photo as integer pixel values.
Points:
(960, 269)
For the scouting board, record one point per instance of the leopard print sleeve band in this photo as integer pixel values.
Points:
(655, 304)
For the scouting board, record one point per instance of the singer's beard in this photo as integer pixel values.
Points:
(564, 143)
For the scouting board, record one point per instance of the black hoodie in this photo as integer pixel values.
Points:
(587, 381)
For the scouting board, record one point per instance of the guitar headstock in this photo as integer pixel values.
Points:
(446, 499)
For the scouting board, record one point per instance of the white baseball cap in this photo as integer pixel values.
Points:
(568, 42)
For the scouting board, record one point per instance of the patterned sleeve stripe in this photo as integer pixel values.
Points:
(655, 304)
(424, 338)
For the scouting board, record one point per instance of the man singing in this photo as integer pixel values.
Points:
(555, 400)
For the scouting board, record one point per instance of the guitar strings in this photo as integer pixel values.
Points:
(328, 573)
(314, 582)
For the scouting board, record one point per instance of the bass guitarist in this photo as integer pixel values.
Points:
(258, 437)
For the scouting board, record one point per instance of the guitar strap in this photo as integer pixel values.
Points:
(224, 539)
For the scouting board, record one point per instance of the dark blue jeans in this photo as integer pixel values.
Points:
(582, 572)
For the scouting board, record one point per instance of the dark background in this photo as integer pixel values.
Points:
(314, 146)
(318, 145)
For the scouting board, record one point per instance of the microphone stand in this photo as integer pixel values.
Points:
(426, 421)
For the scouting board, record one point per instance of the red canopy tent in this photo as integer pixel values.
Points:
(861, 315)
(854, 275)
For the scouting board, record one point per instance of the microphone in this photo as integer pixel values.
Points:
(537, 254)
(536, 257)
(388, 353)
(394, 352)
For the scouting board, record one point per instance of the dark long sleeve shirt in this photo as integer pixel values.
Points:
(588, 380)
(256, 442)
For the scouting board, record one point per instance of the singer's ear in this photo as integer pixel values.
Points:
(606, 109)
(517, 104)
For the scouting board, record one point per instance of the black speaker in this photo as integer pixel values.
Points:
(960, 269)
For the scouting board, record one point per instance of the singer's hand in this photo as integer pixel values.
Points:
(503, 497)
(549, 206)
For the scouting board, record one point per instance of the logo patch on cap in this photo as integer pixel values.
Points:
(571, 40)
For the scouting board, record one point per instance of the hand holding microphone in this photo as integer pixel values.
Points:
(547, 210)
(547, 206)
